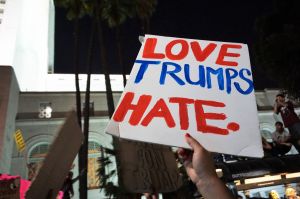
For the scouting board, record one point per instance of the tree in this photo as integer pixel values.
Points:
(75, 10)
(115, 13)
(278, 45)
(144, 10)
(111, 190)
(87, 106)
(94, 11)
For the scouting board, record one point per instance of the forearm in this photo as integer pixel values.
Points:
(275, 109)
(214, 188)
(75, 179)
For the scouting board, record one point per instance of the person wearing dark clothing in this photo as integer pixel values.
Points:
(67, 187)
(289, 117)
(267, 147)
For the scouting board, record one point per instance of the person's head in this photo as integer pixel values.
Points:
(273, 195)
(290, 193)
(280, 98)
(70, 175)
(279, 126)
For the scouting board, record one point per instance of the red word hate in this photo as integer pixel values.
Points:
(161, 110)
(198, 51)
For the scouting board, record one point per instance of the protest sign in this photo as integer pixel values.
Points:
(19, 140)
(201, 87)
(148, 168)
(58, 161)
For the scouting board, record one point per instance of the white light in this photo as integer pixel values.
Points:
(292, 175)
(262, 179)
(219, 173)
(48, 111)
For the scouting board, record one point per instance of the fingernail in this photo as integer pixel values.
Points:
(187, 135)
(182, 156)
(182, 153)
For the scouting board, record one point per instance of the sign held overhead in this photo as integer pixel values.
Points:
(201, 87)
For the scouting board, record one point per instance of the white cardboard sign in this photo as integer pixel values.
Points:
(201, 87)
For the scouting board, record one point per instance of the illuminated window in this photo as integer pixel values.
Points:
(36, 158)
(39, 152)
(94, 150)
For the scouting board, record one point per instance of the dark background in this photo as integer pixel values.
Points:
(231, 21)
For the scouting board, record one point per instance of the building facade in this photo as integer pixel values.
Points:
(39, 116)
(35, 101)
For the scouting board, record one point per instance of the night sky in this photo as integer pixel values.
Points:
(231, 21)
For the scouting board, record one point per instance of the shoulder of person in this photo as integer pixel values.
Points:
(289, 102)
(286, 132)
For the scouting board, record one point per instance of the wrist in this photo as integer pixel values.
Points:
(212, 187)
(207, 182)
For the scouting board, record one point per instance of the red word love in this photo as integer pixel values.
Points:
(200, 54)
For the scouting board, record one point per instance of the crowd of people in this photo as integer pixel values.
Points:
(290, 193)
(199, 164)
(200, 168)
(283, 140)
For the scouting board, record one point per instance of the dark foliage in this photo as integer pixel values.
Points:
(277, 48)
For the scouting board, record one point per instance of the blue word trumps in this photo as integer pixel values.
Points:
(227, 78)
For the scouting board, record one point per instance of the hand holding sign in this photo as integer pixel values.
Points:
(203, 87)
(200, 168)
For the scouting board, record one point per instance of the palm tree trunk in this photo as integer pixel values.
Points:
(119, 48)
(109, 94)
(76, 66)
(87, 113)
(82, 188)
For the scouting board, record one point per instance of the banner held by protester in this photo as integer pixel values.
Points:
(201, 87)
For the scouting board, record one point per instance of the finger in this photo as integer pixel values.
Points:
(183, 152)
(190, 171)
(188, 164)
(184, 155)
(192, 142)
